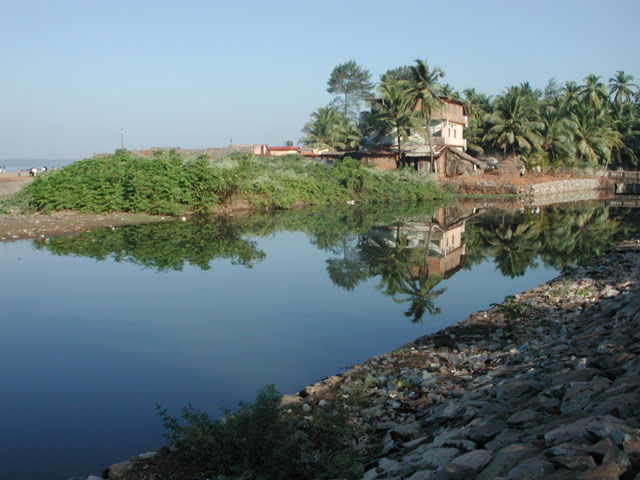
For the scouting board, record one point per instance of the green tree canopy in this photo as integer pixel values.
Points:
(350, 84)
(328, 127)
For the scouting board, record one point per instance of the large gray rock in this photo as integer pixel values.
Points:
(578, 395)
(120, 470)
(574, 462)
(523, 418)
(565, 433)
(506, 459)
(406, 430)
(438, 457)
(476, 459)
(421, 475)
(608, 471)
(622, 406)
(532, 468)
(485, 430)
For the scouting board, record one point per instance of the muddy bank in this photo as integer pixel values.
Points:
(545, 385)
(39, 225)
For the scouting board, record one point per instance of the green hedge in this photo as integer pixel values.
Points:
(167, 184)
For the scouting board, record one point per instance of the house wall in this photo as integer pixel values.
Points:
(382, 162)
(452, 112)
(453, 134)
(280, 153)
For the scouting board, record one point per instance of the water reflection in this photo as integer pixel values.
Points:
(409, 252)
(163, 247)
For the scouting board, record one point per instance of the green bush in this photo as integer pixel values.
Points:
(262, 441)
(166, 183)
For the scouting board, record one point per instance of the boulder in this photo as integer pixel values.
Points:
(475, 460)
(506, 459)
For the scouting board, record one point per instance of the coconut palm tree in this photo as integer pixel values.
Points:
(479, 106)
(393, 113)
(570, 95)
(426, 92)
(593, 136)
(557, 134)
(627, 121)
(330, 128)
(621, 87)
(514, 122)
(594, 92)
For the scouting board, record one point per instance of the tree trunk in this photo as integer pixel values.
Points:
(428, 116)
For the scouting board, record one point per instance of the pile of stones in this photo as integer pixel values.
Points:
(545, 385)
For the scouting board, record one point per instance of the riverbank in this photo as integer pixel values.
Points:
(38, 225)
(546, 385)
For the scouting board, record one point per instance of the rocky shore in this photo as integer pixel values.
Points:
(545, 385)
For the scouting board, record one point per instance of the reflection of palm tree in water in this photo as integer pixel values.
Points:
(513, 244)
(349, 270)
(574, 237)
(404, 273)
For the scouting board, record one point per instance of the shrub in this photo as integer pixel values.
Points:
(168, 184)
(262, 441)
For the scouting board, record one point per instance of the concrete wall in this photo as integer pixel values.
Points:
(574, 185)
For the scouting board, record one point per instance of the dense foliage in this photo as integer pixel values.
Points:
(262, 441)
(168, 184)
(563, 127)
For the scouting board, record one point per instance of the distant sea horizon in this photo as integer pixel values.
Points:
(14, 165)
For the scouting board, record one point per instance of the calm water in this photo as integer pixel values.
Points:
(96, 328)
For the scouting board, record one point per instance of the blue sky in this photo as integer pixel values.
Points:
(200, 73)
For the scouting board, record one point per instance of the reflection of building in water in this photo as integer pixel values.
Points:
(440, 240)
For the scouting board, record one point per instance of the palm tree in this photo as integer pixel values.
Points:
(426, 91)
(594, 92)
(330, 128)
(557, 135)
(627, 122)
(594, 138)
(620, 86)
(393, 112)
(479, 105)
(514, 122)
(570, 95)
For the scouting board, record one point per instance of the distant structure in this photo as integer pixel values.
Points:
(448, 145)
(213, 153)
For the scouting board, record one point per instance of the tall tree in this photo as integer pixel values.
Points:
(557, 134)
(514, 122)
(479, 106)
(551, 90)
(329, 128)
(350, 83)
(402, 73)
(621, 87)
(594, 137)
(393, 112)
(426, 91)
(570, 95)
(594, 92)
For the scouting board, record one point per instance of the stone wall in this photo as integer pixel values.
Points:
(552, 188)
